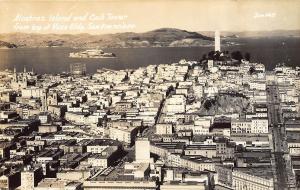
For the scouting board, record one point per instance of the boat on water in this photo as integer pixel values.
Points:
(92, 53)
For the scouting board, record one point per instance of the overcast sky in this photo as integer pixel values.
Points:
(145, 15)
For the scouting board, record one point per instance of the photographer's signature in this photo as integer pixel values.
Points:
(264, 15)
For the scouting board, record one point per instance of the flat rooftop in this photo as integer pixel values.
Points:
(263, 172)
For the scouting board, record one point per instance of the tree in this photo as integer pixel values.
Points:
(237, 55)
(217, 55)
(247, 56)
(204, 57)
(211, 55)
(251, 70)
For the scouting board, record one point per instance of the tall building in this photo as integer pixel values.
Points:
(217, 41)
(19, 81)
(142, 150)
(30, 177)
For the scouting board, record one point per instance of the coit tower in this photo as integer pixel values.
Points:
(217, 41)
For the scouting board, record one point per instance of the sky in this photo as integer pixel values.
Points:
(113, 16)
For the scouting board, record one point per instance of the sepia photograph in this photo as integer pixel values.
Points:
(150, 94)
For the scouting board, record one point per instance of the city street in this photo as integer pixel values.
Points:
(284, 178)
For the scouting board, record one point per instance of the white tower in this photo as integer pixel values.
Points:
(142, 150)
(217, 41)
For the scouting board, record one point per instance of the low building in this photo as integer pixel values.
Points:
(120, 184)
(208, 151)
(260, 178)
(124, 133)
(241, 126)
(174, 185)
(104, 159)
(164, 128)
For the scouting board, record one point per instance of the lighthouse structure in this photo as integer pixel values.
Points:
(217, 41)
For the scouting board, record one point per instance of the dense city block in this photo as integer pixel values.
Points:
(218, 123)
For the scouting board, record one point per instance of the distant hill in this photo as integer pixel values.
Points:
(7, 45)
(164, 37)
(250, 34)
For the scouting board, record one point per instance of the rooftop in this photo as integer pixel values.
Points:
(263, 172)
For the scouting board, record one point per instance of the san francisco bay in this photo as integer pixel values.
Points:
(269, 51)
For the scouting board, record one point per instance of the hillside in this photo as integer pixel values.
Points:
(7, 45)
(225, 103)
(163, 37)
(254, 34)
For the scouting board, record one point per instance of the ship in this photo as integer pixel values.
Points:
(92, 53)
